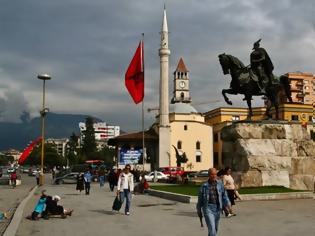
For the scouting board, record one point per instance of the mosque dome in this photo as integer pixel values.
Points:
(183, 108)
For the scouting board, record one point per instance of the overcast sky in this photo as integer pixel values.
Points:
(86, 47)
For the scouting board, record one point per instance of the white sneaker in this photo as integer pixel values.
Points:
(229, 215)
(127, 213)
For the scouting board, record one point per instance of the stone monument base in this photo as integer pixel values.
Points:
(265, 154)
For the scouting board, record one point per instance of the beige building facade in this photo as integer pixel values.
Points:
(189, 132)
(302, 88)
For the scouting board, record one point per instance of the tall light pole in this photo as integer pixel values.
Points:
(43, 112)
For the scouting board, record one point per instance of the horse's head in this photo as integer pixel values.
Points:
(230, 64)
(224, 62)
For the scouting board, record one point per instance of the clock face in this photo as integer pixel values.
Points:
(182, 84)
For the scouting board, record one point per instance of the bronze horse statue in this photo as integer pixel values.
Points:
(245, 82)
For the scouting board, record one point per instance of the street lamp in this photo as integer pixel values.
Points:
(43, 112)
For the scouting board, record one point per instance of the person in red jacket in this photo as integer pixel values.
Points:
(13, 179)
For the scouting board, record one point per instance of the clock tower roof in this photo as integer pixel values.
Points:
(181, 67)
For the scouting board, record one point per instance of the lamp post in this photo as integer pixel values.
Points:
(43, 112)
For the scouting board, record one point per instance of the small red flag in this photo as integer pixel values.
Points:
(134, 77)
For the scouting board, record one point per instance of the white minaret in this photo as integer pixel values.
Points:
(164, 124)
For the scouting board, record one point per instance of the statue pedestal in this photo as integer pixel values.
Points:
(269, 153)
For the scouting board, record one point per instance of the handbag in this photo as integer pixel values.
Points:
(116, 204)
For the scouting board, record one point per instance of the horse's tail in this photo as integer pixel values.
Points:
(285, 83)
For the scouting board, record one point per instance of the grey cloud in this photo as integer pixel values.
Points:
(86, 46)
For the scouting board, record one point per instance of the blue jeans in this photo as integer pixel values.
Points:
(102, 181)
(212, 217)
(126, 194)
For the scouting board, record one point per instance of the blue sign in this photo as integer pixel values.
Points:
(130, 156)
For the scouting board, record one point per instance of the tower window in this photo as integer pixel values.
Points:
(179, 145)
(198, 145)
(185, 127)
(178, 74)
(182, 96)
(198, 158)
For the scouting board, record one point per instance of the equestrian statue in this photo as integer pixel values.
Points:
(255, 80)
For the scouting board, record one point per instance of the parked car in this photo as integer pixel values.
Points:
(11, 170)
(172, 171)
(159, 176)
(200, 176)
(4, 176)
(70, 178)
(33, 172)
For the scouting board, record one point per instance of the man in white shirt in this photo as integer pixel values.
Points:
(125, 187)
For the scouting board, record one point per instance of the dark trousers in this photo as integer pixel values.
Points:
(37, 181)
(111, 186)
(87, 188)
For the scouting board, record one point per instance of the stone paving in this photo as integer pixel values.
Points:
(10, 198)
(152, 216)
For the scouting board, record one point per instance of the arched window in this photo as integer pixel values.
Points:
(182, 95)
(185, 127)
(179, 144)
(198, 145)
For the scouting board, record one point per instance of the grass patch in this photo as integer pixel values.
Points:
(192, 190)
(267, 189)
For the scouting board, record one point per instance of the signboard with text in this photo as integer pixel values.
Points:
(129, 156)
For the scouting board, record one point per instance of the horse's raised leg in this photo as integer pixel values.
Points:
(224, 92)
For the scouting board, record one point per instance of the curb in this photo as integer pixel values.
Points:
(17, 217)
(245, 197)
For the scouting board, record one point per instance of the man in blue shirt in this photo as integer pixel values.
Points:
(87, 181)
(212, 199)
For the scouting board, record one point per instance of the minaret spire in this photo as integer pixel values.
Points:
(164, 124)
(164, 23)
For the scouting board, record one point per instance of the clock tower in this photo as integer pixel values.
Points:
(181, 84)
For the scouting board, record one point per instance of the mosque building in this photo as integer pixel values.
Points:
(179, 128)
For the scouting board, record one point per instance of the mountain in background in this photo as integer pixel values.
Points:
(18, 135)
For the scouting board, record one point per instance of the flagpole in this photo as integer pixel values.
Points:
(143, 147)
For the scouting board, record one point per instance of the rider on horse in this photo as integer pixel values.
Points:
(262, 66)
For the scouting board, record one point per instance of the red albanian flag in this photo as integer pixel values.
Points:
(28, 150)
(134, 77)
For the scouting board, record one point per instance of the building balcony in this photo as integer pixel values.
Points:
(296, 89)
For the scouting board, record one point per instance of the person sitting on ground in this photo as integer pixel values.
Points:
(52, 208)
(39, 208)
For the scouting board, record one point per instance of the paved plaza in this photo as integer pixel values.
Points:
(152, 216)
(10, 198)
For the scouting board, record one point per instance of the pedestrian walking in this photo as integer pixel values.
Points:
(101, 176)
(229, 185)
(125, 187)
(87, 181)
(112, 179)
(37, 174)
(80, 182)
(13, 179)
(53, 172)
(212, 198)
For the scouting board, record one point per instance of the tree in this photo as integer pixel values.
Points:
(51, 156)
(89, 143)
(72, 150)
(5, 160)
(107, 155)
